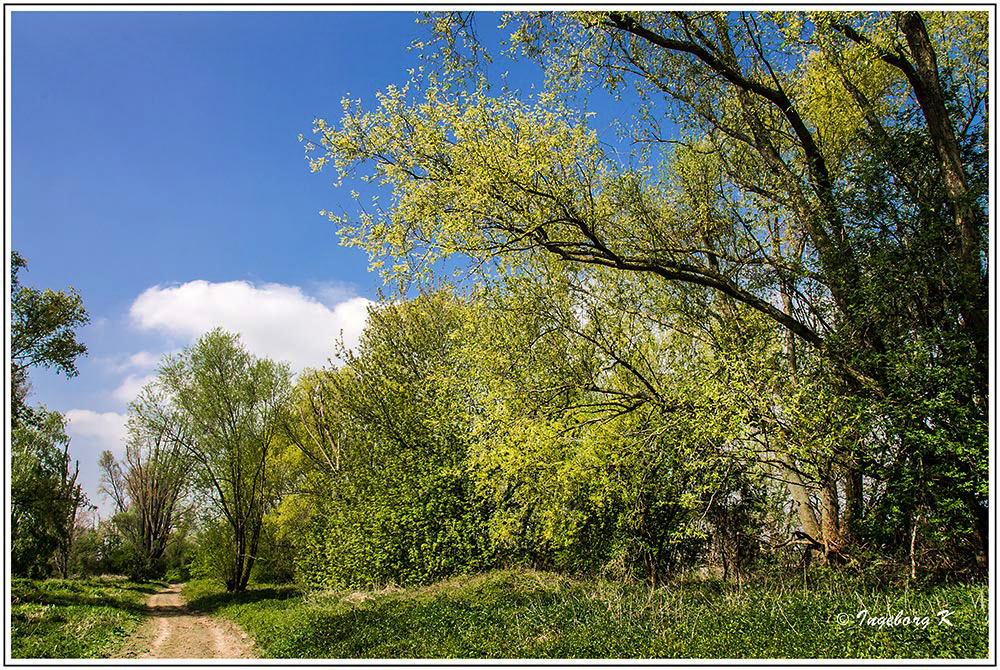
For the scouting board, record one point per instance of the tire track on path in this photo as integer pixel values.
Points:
(173, 631)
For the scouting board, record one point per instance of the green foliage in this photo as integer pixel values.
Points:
(42, 333)
(788, 269)
(179, 552)
(45, 497)
(101, 550)
(521, 425)
(89, 618)
(215, 549)
(395, 501)
(86, 559)
(224, 408)
(604, 438)
(522, 614)
(275, 563)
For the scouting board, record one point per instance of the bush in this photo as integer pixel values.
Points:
(411, 532)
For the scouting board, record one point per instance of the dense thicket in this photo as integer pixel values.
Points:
(528, 423)
(388, 434)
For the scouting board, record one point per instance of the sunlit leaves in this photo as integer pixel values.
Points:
(468, 173)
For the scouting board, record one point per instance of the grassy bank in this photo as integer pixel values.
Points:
(524, 614)
(85, 618)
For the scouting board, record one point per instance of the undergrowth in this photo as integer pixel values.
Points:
(528, 614)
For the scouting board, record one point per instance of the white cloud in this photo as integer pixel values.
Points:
(141, 361)
(130, 387)
(331, 293)
(104, 430)
(273, 320)
(91, 433)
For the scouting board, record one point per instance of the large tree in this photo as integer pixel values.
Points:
(45, 497)
(825, 170)
(226, 407)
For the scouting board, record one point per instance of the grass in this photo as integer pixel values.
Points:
(74, 618)
(527, 614)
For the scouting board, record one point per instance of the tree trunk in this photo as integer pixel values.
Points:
(236, 579)
(923, 77)
(800, 501)
(854, 509)
(251, 556)
(831, 515)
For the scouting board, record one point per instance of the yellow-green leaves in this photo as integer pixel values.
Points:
(842, 82)
(469, 173)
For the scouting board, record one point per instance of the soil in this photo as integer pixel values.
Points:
(174, 631)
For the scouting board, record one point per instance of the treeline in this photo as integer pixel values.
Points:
(599, 426)
(528, 424)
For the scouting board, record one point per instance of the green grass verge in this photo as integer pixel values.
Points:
(525, 614)
(74, 618)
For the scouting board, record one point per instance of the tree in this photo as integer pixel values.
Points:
(147, 487)
(70, 523)
(225, 408)
(45, 498)
(42, 333)
(825, 170)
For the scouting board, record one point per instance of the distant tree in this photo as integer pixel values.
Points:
(84, 558)
(42, 333)
(71, 528)
(147, 485)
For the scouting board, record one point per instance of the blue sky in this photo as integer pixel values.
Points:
(156, 168)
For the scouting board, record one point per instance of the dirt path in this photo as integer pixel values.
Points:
(175, 632)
